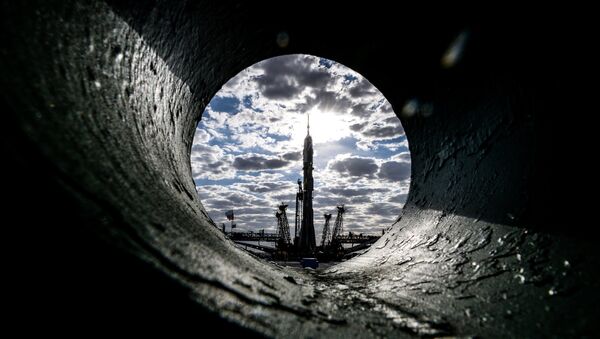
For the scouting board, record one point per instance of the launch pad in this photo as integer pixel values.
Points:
(304, 243)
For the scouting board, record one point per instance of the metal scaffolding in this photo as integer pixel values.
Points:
(339, 224)
(326, 237)
(298, 220)
(283, 227)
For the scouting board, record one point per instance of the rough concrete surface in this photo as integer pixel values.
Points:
(103, 98)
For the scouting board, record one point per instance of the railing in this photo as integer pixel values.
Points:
(350, 238)
(252, 236)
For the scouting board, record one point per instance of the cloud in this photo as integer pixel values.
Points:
(361, 109)
(354, 166)
(258, 162)
(362, 89)
(393, 120)
(290, 196)
(292, 156)
(330, 202)
(286, 77)
(260, 177)
(249, 140)
(266, 186)
(358, 126)
(360, 199)
(394, 171)
(217, 204)
(353, 192)
(384, 209)
(383, 132)
(404, 156)
(387, 108)
(325, 100)
(398, 198)
(261, 187)
(210, 162)
(201, 136)
(240, 198)
(246, 153)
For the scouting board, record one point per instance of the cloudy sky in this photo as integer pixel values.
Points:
(247, 151)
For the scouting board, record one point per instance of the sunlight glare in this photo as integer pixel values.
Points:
(324, 127)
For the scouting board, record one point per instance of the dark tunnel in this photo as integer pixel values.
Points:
(105, 229)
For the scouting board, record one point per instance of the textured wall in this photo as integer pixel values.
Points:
(103, 99)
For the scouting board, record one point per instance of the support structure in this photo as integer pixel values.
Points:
(326, 236)
(283, 227)
(298, 219)
(339, 224)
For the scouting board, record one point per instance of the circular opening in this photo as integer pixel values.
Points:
(248, 151)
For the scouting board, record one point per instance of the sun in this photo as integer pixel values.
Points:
(325, 126)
